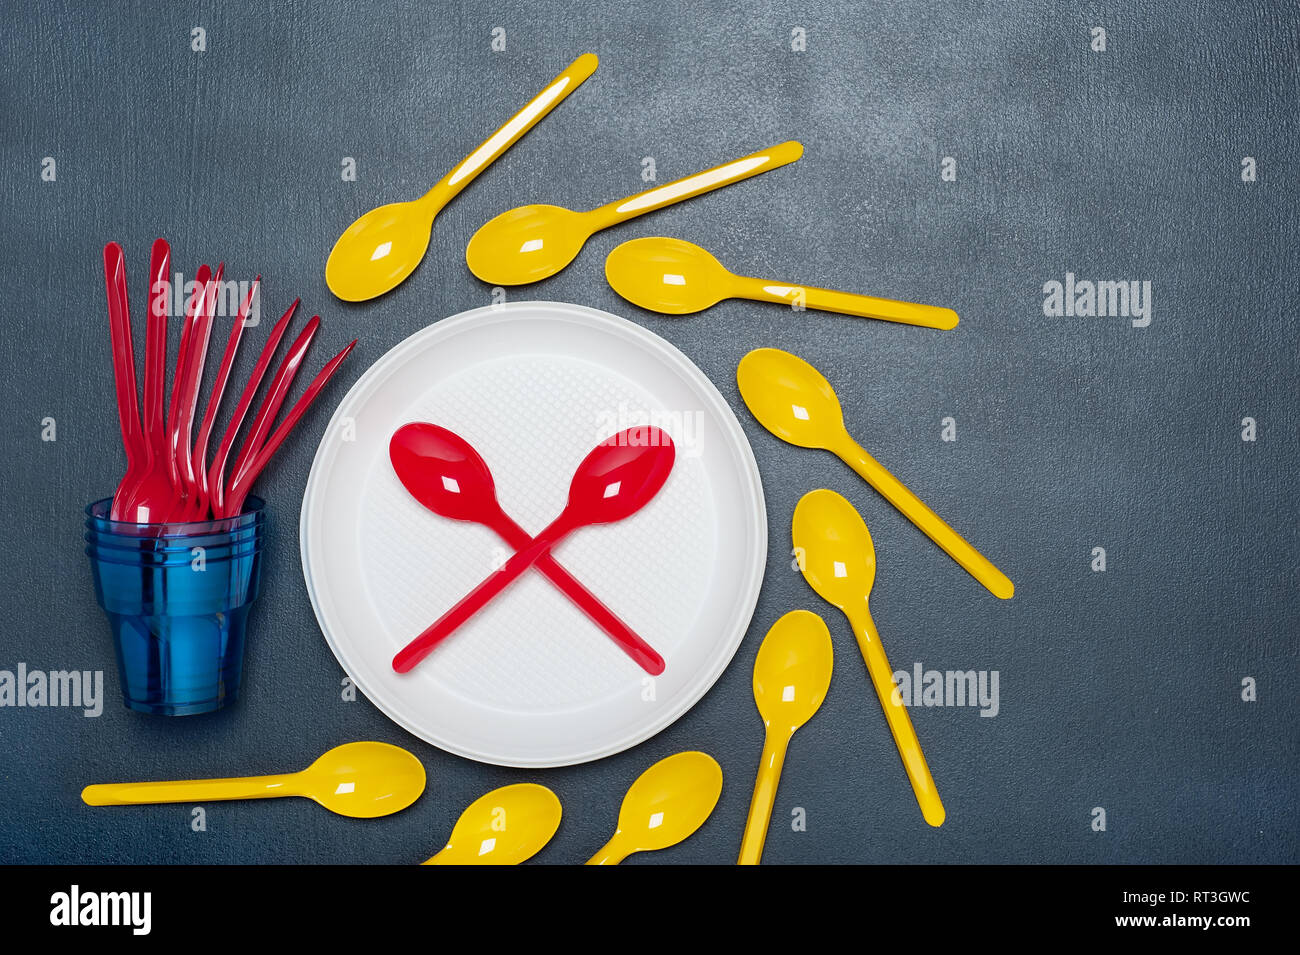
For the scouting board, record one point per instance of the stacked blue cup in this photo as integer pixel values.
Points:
(177, 598)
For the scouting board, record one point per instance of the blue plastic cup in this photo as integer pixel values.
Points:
(177, 597)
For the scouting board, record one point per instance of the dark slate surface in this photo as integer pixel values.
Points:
(1119, 690)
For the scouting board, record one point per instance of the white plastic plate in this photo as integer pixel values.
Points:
(530, 681)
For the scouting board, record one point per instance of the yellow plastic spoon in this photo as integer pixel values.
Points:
(534, 242)
(504, 827)
(678, 278)
(361, 780)
(791, 677)
(378, 251)
(792, 399)
(667, 803)
(839, 561)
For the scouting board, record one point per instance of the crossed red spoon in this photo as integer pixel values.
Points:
(619, 477)
(445, 474)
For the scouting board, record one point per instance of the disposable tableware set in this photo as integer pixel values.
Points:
(494, 665)
(175, 554)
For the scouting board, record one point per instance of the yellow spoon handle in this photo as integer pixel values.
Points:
(911, 506)
(198, 790)
(849, 303)
(450, 185)
(760, 807)
(696, 185)
(900, 724)
(611, 853)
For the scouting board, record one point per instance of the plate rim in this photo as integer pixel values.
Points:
(643, 337)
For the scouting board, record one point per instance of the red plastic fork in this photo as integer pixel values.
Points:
(243, 481)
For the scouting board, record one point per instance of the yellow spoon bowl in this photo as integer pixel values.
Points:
(667, 803)
(678, 278)
(791, 676)
(668, 275)
(528, 244)
(504, 827)
(835, 553)
(534, 242)
(834, 549)
(794, 401)
(382, 248)
(361, 780)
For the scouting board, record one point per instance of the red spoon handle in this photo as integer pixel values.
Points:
(645, 655)
(480, 596)
(270, 406)
(216, 479)
(177, 450)
(200, 334)
(223, 376)
(199, 508)
(119, 326)
(155, 349)
(243, 482)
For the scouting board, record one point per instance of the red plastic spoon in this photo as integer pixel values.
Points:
(179, 420)
(197, 359)
(128, 406)
(445, 474)
(243, 481)
(619, 477)
(155, 349)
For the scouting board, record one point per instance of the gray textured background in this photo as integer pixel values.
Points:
(1118, 689)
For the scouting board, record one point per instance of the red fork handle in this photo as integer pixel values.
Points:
(480, 596)
(627, 639)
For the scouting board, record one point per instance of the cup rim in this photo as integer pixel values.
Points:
(173, 545)
(254, 512)
(96, 557)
